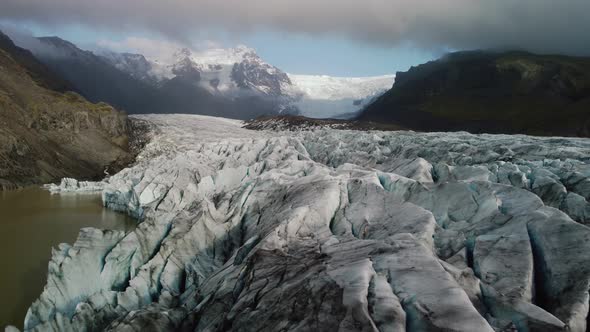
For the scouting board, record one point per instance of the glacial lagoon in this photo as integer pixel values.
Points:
(32, 221)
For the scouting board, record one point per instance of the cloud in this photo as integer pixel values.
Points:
(24, 38)
(556, 26)
(150, 48)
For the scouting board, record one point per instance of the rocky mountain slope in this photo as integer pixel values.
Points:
(513, 92)
(45, 134)
(329, 230)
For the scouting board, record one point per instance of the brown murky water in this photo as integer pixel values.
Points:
(31, 222)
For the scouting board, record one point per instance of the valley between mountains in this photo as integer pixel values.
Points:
(327, 229)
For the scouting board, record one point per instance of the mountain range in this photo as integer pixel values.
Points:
(475, 91)
(241, 71)
(233, 82)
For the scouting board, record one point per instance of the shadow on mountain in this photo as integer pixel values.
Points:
(511, 92)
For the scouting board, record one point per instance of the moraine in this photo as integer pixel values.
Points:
(332, 229)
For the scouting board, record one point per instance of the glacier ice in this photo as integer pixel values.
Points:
(332, 230)
(73, 185)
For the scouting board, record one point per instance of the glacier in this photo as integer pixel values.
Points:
(321, 96)
(74, 186)
(329, 229)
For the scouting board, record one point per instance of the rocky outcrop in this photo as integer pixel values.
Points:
(510, 92)
(46, 135)
(330, 230)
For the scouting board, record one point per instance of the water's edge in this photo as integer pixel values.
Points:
(33, 222)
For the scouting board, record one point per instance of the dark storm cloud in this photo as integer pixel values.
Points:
(560, 26)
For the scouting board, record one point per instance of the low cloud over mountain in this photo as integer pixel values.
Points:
(534, 25)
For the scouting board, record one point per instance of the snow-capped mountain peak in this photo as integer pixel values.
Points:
(224, 56)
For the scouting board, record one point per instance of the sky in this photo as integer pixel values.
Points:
(294, 53)
(332, 37)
